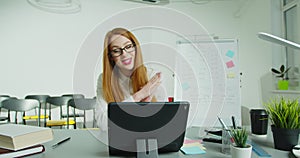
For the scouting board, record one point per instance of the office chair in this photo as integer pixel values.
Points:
(82, 104)
(58, 101)
(73, 96)
(19, 105)
(42, 100)
(2, 98)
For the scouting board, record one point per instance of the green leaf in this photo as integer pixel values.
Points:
(287, 70)
(282, 68)
(275, 71)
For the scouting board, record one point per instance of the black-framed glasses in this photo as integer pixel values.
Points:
(119, 51)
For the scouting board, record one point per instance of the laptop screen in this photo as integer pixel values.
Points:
(130, 121)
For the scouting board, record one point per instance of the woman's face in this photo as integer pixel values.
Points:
(123, 53)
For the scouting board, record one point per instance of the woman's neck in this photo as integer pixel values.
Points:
(126, 73)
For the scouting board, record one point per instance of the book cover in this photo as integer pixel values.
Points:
(36, 149)
(16, 136)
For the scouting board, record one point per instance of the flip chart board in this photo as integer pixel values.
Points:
(207, 75)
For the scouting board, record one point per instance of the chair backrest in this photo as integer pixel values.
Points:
(20, 105)
(2, 98)
(40, 98)
(83, 103)
(75, 96)
(58, 100)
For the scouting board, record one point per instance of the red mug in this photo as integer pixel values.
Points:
(171, 99)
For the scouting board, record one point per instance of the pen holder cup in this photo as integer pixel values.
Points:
(226, 141)
(259, 121)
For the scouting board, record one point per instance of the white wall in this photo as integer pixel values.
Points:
(255, 54)
(38, 49)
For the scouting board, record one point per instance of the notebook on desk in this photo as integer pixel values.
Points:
(131, 121)
(16, 136)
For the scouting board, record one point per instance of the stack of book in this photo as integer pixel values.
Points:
(22, 140)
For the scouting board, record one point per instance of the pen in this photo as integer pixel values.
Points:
(225, 127)
(233, 122)
(218, 133)
(60, 142)
(222, 123)
(213, 140)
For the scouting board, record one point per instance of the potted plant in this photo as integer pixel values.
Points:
(283, 83)
(240, 148)
(284, 114)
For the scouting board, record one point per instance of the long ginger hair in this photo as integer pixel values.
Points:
(111, 88)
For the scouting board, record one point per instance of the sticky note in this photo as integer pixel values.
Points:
(185, 86)
(230, 64)
(231, 75)
(187, 141)
(192, 150)
(230, 53)
(197, 144)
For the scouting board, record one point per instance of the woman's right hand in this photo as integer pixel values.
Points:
(148, 90)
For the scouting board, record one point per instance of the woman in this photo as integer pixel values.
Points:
(124, 77)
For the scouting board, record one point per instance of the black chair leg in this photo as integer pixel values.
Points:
(8, 115)
(16, 118)
(24, 122)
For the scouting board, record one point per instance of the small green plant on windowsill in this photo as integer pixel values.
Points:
(283, 83)
(281, 73)
(240, 137)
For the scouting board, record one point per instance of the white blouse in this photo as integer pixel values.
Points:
(126, 86)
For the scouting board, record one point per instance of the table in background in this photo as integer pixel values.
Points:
(83, 143)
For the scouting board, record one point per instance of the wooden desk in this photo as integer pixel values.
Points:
(83, 143)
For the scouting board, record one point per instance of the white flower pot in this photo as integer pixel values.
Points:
(237, 152)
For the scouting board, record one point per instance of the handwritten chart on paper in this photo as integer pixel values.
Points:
(207, 75)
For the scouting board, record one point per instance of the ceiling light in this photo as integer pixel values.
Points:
(57, 6)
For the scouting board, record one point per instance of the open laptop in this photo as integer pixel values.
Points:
(131, 121)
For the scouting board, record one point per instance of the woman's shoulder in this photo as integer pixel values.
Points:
(100, 76)
(99, 80)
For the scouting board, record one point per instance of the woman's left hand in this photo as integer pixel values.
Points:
(147, 99)
(146, 92)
